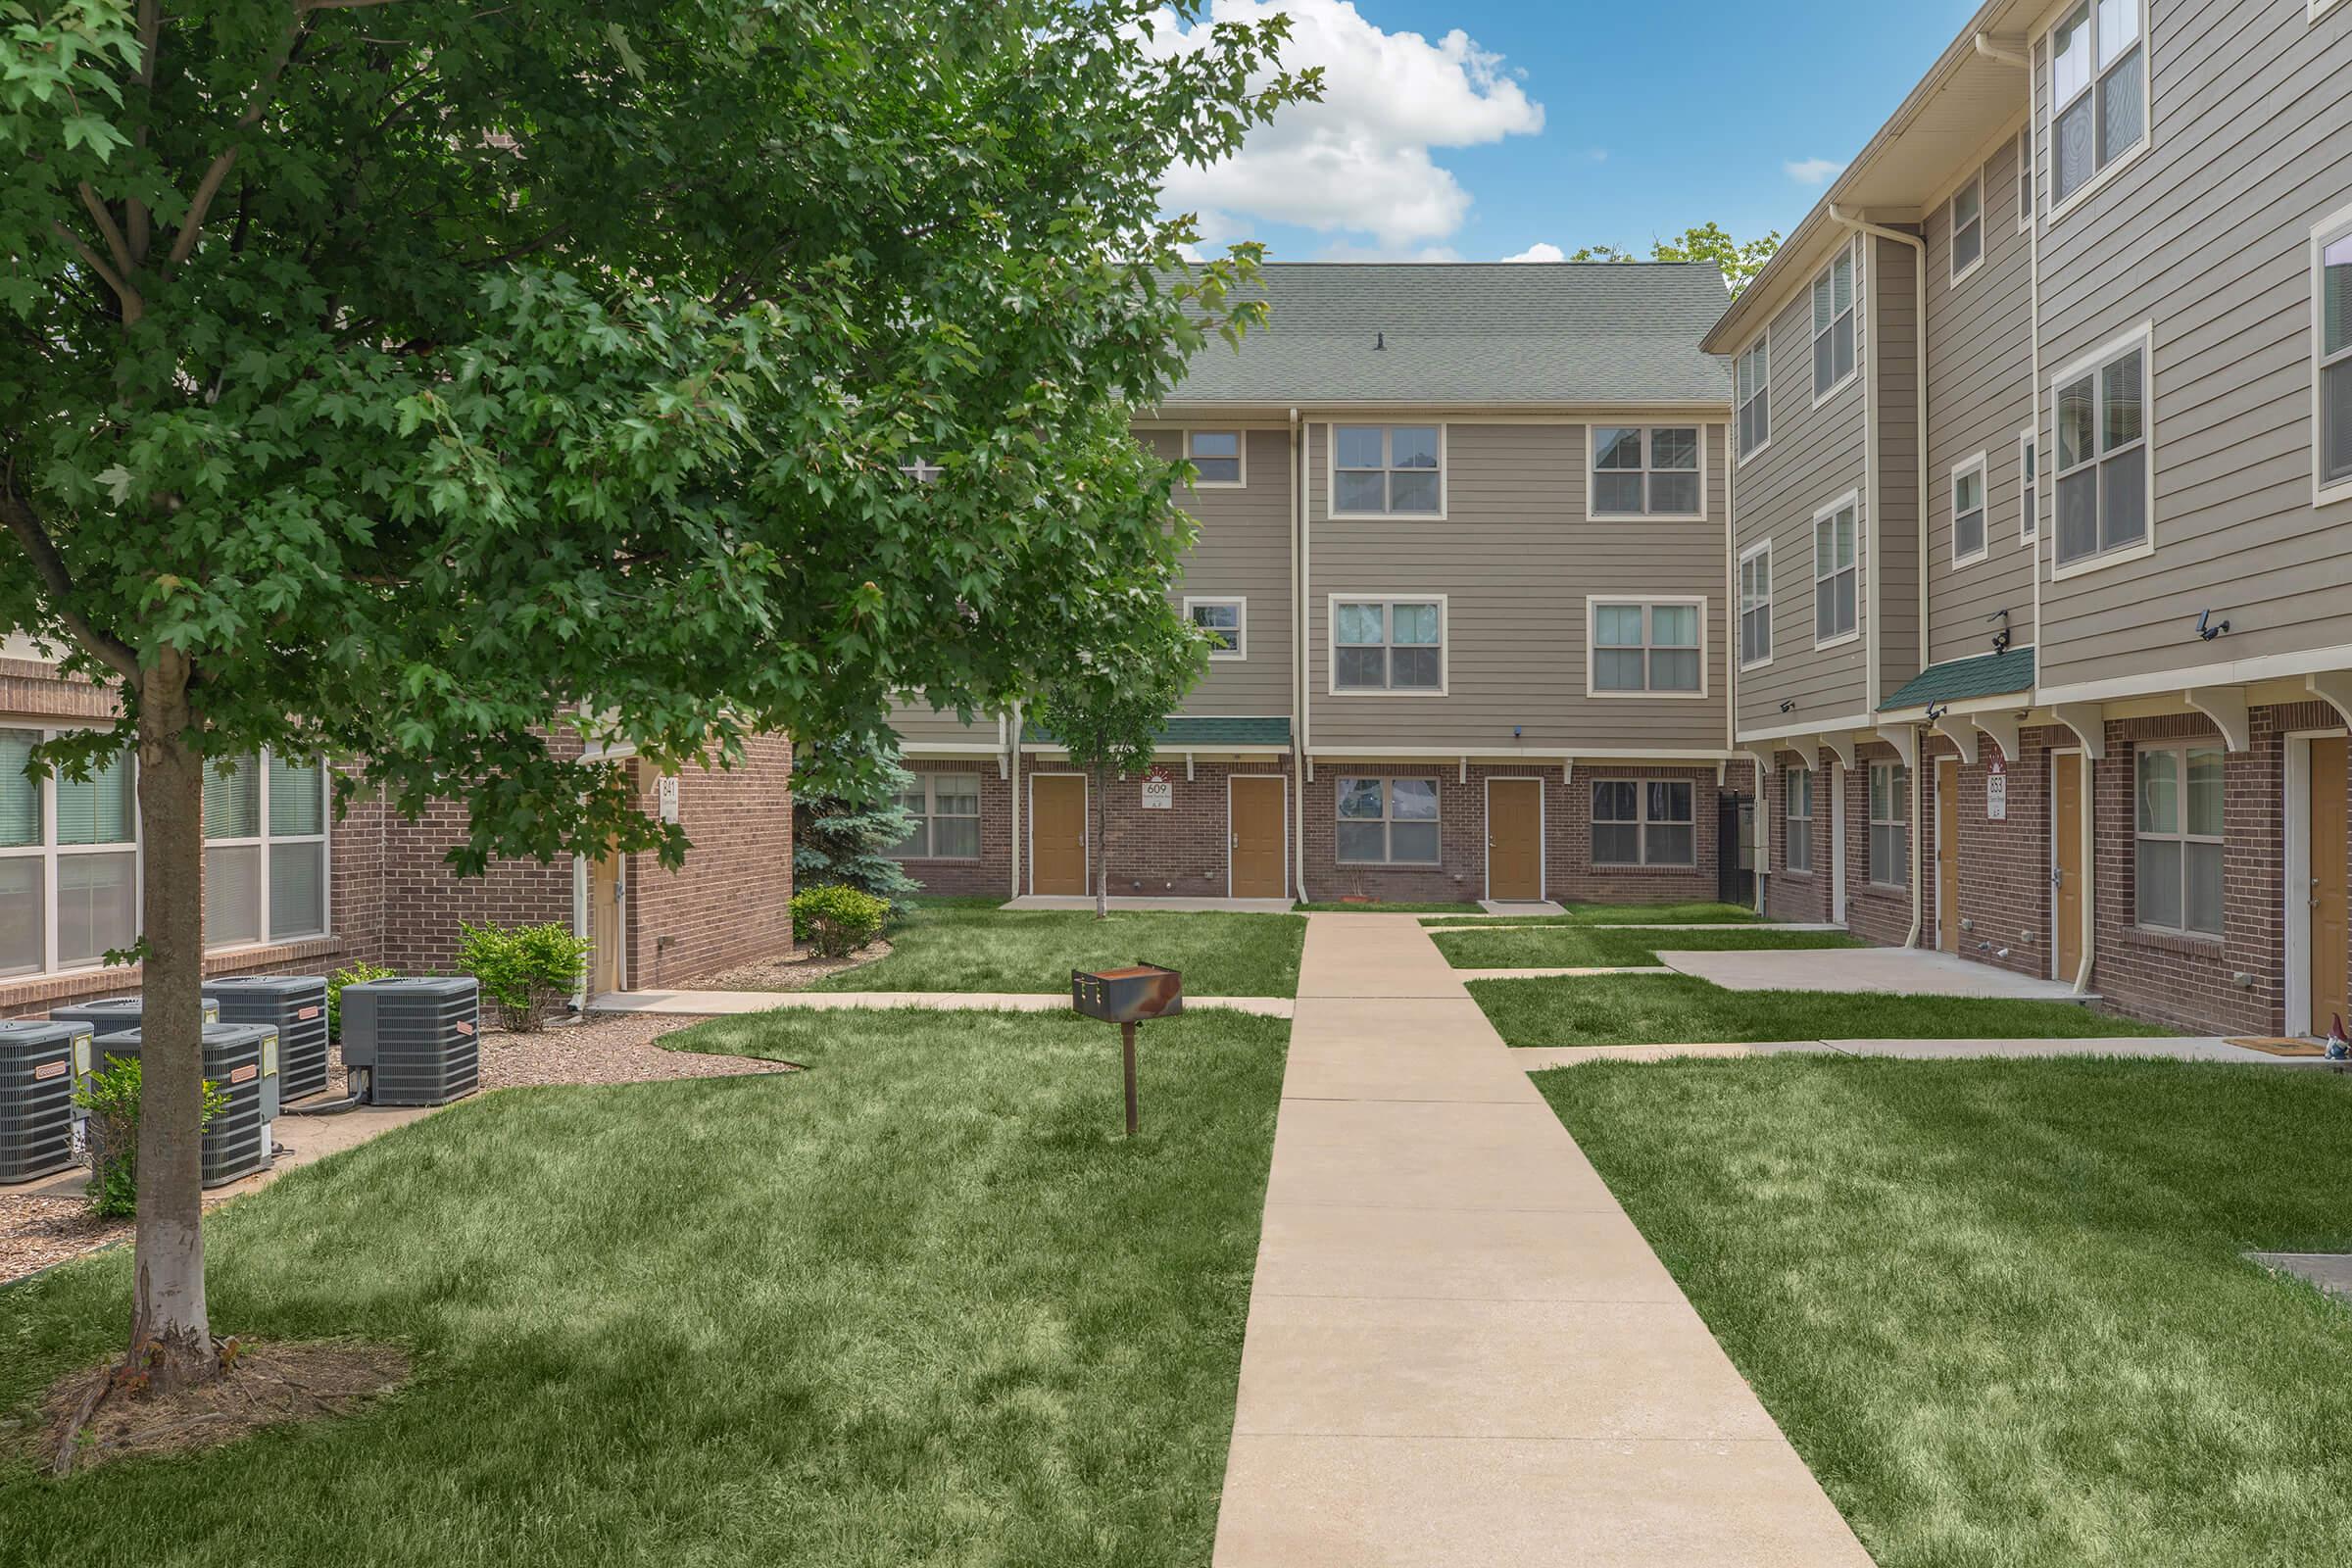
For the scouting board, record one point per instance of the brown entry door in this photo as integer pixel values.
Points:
(2330, 936)
(1514, 838)
(1057, 830)
(1259, 867)
(2066, 860)
(1948, 854)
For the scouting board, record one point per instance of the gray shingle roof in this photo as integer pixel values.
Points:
(1199, 732)
(1957, 680)
(1489, 332)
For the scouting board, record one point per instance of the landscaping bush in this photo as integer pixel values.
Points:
(358, 974)
(837, 920)
(110, 1097)
(527, 971)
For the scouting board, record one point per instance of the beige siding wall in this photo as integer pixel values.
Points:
(1515, 557)
(1894, 405)
(1244, 550)
(2207, 236)
(917, 724)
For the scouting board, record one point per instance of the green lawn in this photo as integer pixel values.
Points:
(2000, 1307)
(1392, 908)
(921, 1305)
(1586, 946)
(945, 945)
(1643, 914)
(1641, 1010)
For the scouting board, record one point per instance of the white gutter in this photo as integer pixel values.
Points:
(1991, 50)
(1013, 772)
(1919, 284)
(1299, 741)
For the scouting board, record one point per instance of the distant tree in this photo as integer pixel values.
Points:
(849, 817)
(1709, 242)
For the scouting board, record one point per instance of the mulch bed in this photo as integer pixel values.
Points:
(796, 970)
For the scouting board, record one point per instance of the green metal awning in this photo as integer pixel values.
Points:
(1960, 680)
(1187, 733)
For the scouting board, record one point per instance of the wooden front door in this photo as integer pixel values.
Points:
(607, 888)
(2065, 859)
(1514, 838)
(1948, 854)
(1259, 847)
(2330, 936)
(1058, 833)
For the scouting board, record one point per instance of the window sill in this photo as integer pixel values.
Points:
(1801, 876)
(1645, 516)
(1367, 691)
(1384, 516)
(1838, 641)
(1679, 867)
(1966, 272)
(2098, 181)
(1976, 557)
(2192, 944)
(1660, 697)
(2101, 562)
(1822, 400)
(1762, 663)
(1746, 458)
(1390, 865)
(2328, 495)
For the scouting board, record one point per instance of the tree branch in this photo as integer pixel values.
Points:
(115, 245)
(134, 211)
(191, 228)
(117, 654)
(132, 305)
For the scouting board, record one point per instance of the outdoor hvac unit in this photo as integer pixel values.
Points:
(240, 1059)
(40, 1064)
(414, 1039)
(295, 1006)
(116, 1015)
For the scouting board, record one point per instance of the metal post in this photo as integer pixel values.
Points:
(1127, 1050)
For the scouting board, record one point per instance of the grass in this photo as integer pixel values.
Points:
(921, 1305)
(1334, 906)
(950, 945)
(1646, 915)
(2000, 1307)
(1641, 1010)
(1586, 946)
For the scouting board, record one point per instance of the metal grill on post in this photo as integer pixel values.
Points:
(1127, 997)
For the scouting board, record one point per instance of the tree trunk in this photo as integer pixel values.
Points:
(1102, 850)
(171, 1333)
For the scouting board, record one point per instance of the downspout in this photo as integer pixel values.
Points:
(1299, 694)
(1735, 645)
(1012, 771)
(1919, 887)
(1919, 391)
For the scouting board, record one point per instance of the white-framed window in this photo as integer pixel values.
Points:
(1891, 824)
(1836, 572)
(1644, 822)
(1836, 329)
(265, 850)
(2106, 459)
(1219, 458)
(2098, 94)
(1225, 621)
(2332, 368)
(2320, 8)
(2177, 838)
(1389, 644)
(922, 470)
(2029, 485)
(946, 808)
(1966, 211)
(1644, 472)
(1969, 509)
(1756, 606)
(1654, 648)
(1797, 843)
(1387, 821)
(1384, 471)
(69, 861)
(1754, 375)
(2024, 178)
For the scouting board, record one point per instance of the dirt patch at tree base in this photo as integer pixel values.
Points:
(266, 1385)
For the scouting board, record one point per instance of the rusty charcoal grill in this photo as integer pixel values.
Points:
(1128, 998)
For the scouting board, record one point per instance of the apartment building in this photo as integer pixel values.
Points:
(1462, 544)
(2043, 513)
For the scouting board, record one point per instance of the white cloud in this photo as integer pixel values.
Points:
(1540, 251)
(1813, 170)
(1359, 162)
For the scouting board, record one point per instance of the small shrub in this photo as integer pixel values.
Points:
(109, 1097)
(837, 920)
(526, 971)
(358, 974)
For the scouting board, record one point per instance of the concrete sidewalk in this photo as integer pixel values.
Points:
(1540, 1059)
(1460, 1350)
(724, 1004)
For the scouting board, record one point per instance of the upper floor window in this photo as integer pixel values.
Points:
(265, 850)
(2098, 92)
(922, 470)
(1225, 622)
(2177, 832)
(1650, 649)
(2103, 454)
(68, 862)
(2024, 178)
(2029, 485)
(1387, 821)
(1644, 472)
(1388, 645)
(1755, 397)
(945, 809)
(1889, 824)
(1756, 607)
(1836, 576)
(1834, 329)
(1215, 457)
(1638, 823)
(1967, 226)
(2332, 276)
(1388, 469)
(1799, 850)
(1968, 511)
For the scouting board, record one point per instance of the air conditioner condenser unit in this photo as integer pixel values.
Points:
(40, 1063)
(414, 1039)
(295, 1006)
(240, 1059)
(116, 1015)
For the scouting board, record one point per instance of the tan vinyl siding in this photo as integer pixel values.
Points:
(2207, 236)
(1243, 551)
(1894, 405)
(917, 724)
(1515, 558)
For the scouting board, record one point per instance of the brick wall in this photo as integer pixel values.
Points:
(1177, 854)
(2004, 885)
(425, 901)
(1873, 913)
(991, 876)
(730, 902)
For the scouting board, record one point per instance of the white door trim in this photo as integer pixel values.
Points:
(1086, 828)
(1230, 837)
(1542, 833)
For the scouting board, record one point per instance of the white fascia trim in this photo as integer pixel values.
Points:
(1811, 726)
(2174, 682)
(950, 748)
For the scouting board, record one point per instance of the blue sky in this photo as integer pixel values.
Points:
(1562, 125)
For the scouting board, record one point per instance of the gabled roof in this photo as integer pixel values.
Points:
(1194, 733)
(1959, 680)
(1499, 333)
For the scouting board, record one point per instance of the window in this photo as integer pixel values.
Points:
(2029, 486)
(1215, 457)
(1755, 398)
(2332, 319)
(1642, 473)
(1650, 649)
(1833, 358)
(1756, 607)
(1643, 823)
(1387, 821)
(1388, 645)
(1968, 511)
(265, 850)
(2024, 178)
(2177, 790)
(1387, 470)
(2098, 112)
(1799, 845)
(946, 808)
(1889, 824)
(1225, 620)
(1968, 226)
(1836, 576)
(922, 470)
(68, 862)
(2103, 455)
